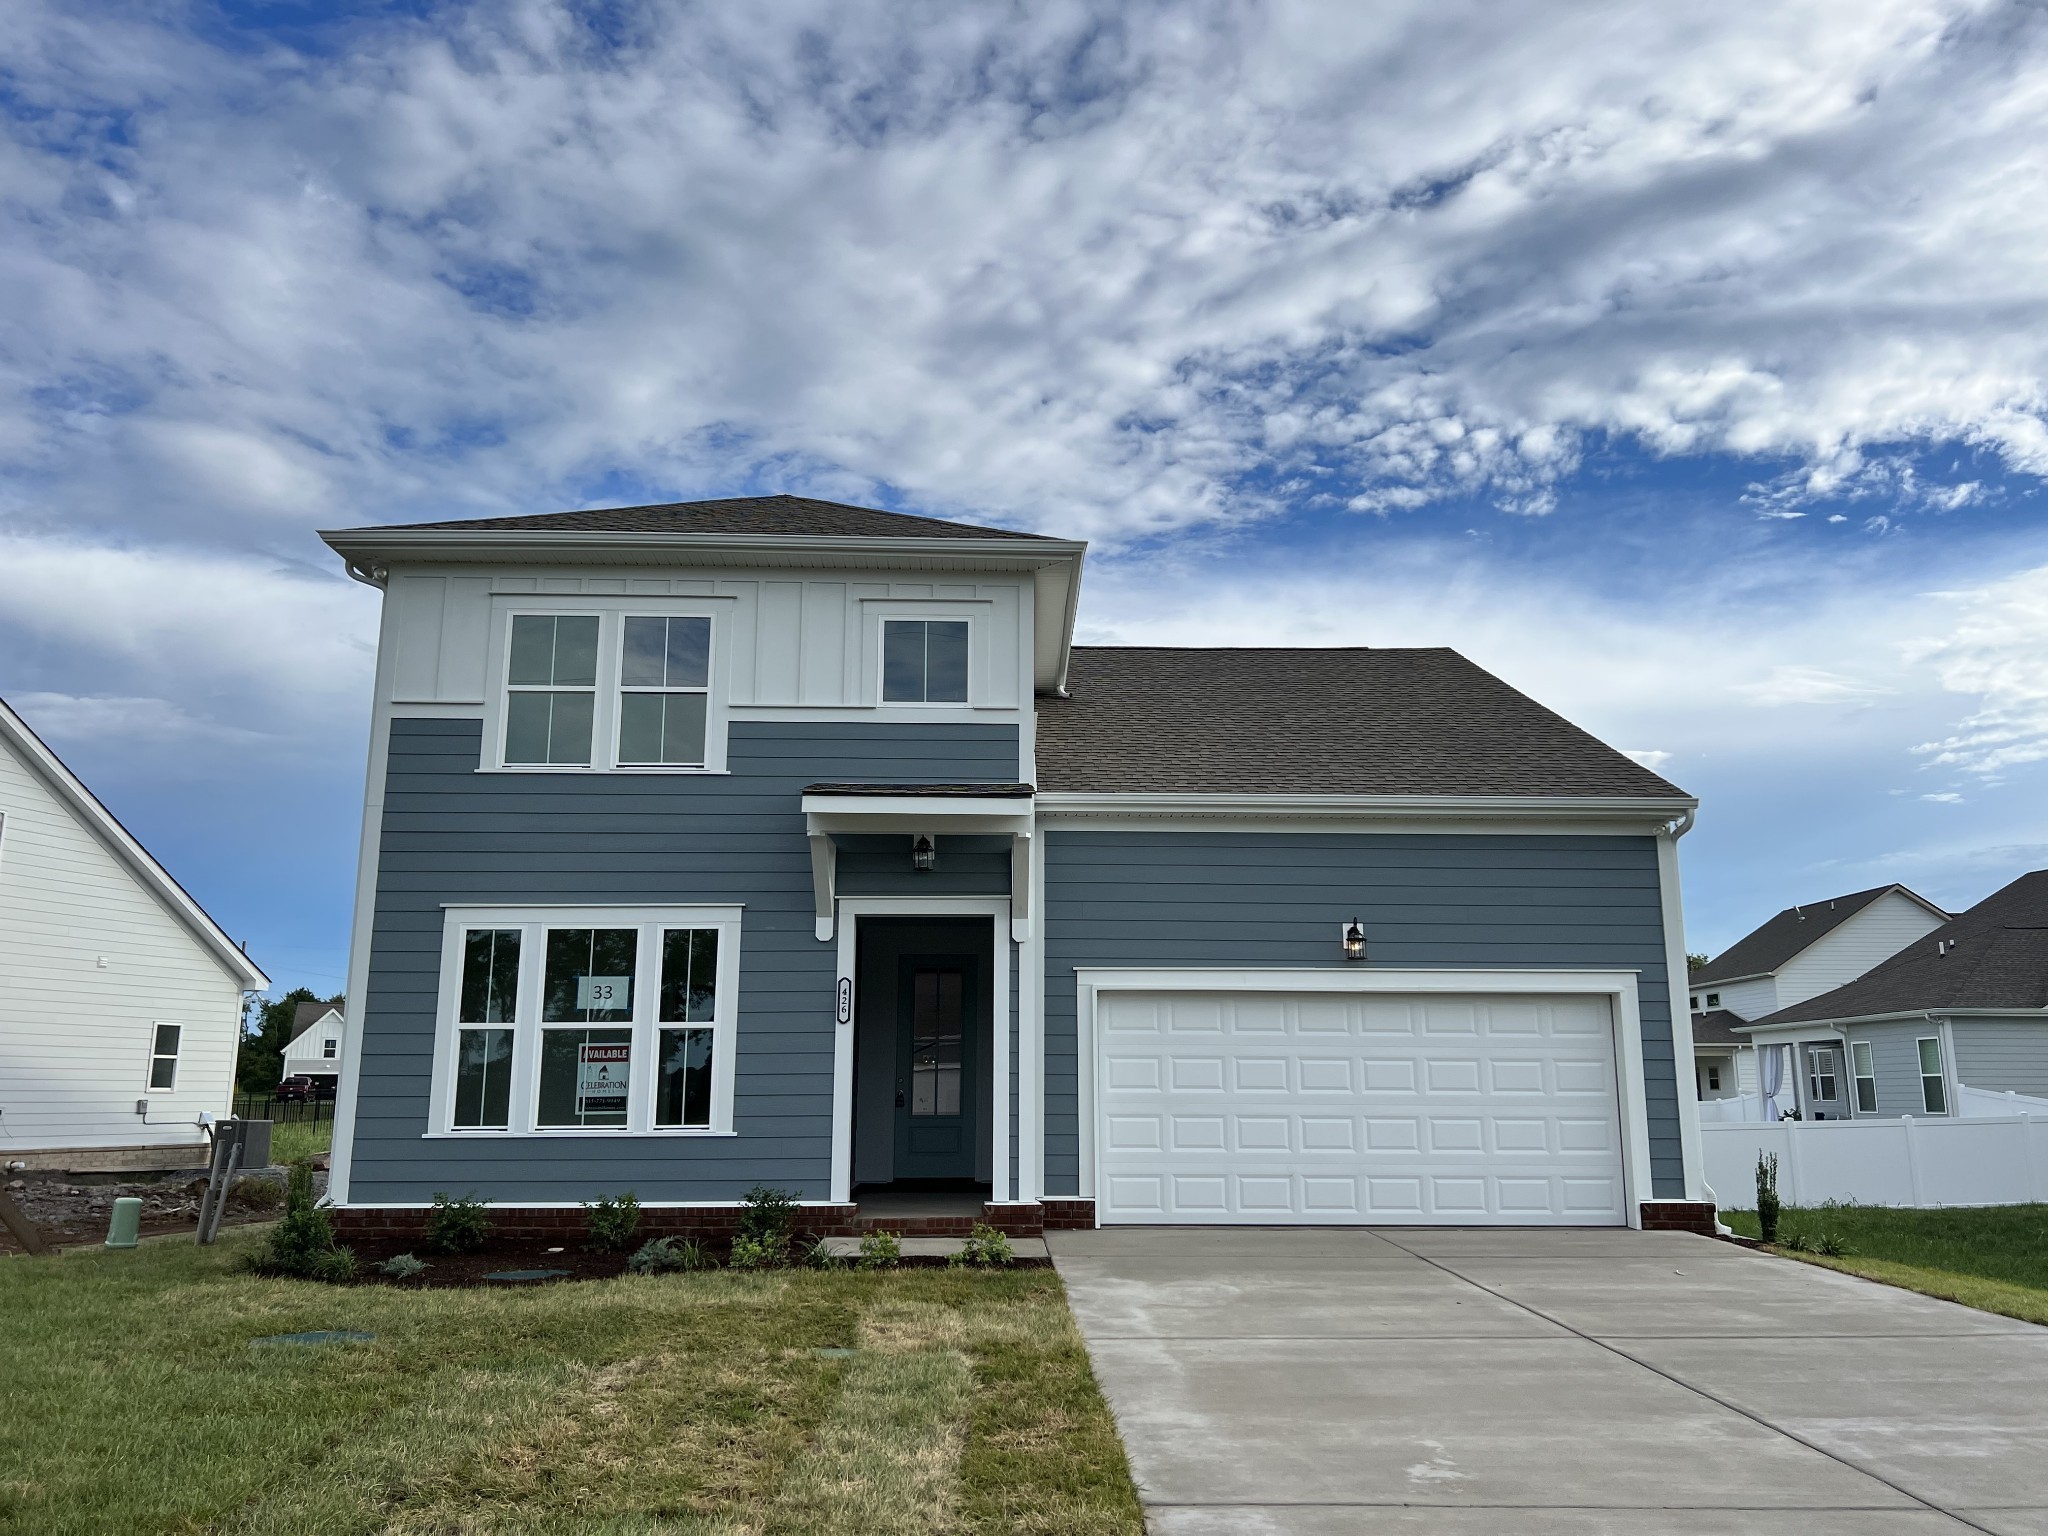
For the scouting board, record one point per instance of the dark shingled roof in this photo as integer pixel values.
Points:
(1332, 721)
(305, 1014)
(1993, 956)
(1785, 935)
(1717, 1027)
(732, 514)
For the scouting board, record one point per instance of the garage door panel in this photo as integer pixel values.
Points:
(1271, 1108)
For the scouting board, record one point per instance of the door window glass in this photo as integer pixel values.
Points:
(936, 1025)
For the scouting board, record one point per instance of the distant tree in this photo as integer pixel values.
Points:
(1695, 962)
(266, 1031)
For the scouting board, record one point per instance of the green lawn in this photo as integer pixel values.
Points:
(291, 1140)
(1993, 1257)
(683, 1403)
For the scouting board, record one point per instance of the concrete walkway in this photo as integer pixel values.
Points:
(1312, 1382)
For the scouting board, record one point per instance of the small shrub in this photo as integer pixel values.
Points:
(302, 1242)
(1796, 1242)
(880, 1250)
(1829, 1246)
(760, 1252)
(986, 1248)
(1767, 1196)
(613, 1222)
(663, 1255)
(402, 1266)
(769, 1214)
(818, 1254)
(457, 1226)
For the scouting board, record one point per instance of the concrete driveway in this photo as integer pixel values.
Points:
(1311, 1382)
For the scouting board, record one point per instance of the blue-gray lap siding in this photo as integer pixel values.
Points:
(452, 835)
(1278, 899)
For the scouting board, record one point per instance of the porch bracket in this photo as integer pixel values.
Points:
(824, 874)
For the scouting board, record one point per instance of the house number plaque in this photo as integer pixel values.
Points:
(846, 999)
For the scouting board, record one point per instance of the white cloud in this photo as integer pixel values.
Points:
(1998, 652)
(1789, 684)
(64, 719)
(1652, 759)
(1946, 797)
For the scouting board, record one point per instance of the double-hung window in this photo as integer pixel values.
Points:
(551, 689)
(1933, 1084)
(588, 1019)
(1821, 1072)
(664, 690)
(163, 1056)
(924, 661)
(1864, 1068)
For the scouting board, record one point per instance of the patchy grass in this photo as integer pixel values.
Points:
(1994, 1258)
(291, 1140)
(677, 1403)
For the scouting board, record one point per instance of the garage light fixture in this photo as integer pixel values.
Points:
(924, 856)
(1354, 940)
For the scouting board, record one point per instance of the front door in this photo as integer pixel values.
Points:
(935, 1067)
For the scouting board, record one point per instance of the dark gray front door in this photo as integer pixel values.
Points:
(935, 1000)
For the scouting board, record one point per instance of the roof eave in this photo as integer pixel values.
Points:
(1490, 807)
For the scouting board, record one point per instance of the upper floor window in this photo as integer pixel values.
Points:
(330, 1048)
(551, 688)
(664, 690)
(1713, 999)
(924, 661)
(612, 689)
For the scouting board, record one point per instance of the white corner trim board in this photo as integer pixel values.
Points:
(1243, 1095)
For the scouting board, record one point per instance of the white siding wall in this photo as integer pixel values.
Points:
(1869, 938)
(800, 641)
(1745, 999)
(75, 1036)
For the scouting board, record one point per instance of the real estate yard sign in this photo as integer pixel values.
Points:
(601, 1079)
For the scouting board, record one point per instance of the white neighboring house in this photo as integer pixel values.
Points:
(1799, 954)
(317, 1043)
(120, 999)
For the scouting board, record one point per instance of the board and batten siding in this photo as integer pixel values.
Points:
(2001, 1055)
(452, 835)
(1218, 899)
(75, 1036)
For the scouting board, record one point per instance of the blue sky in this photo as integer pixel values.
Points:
(1686, 368)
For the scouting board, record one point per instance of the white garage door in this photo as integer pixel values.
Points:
(1276, 1107)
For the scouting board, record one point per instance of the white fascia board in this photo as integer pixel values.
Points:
(1643, 813)
(1351, 977)
(153, 877)
(916, 813)
(2023, 1015)
(365, 547)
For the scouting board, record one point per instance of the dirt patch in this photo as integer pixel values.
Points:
(72, 1213)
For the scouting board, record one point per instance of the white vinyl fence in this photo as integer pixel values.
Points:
(1979, 1160)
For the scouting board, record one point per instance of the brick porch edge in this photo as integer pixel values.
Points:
(1679, 1216)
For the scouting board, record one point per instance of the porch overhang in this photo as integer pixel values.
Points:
(961, 810)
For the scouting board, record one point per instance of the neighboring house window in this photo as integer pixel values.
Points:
(163, 1056)
(1933, 1088)
(551, 689)
(1865, 1071)
(613, 1020)
(330, 1048)
(924, 661)
(1821, 1076)
(1714, 1078)
(1713, 999)
(664, 691)
(1695, 1002)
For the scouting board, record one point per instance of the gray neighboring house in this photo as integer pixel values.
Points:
(1963, 1009)
(1797, 954)
(775, 840)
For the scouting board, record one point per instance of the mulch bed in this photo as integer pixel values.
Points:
(509, 1253)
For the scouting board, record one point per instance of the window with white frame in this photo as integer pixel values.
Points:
(1933, 1085)
(330, 1048)
(924, 661)
(664, 690)
(163, 1056)
(551, 689)
(594, 1020)
(1713, 999)
(1820, 1060)
(1863, 1067)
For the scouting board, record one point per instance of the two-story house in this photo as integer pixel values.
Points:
(1800, 953)
(778, 841)
(315, 1048)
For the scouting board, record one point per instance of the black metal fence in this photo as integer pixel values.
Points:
(251, 1106)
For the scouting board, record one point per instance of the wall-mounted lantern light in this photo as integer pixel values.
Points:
(924, 856)
(1354, 940)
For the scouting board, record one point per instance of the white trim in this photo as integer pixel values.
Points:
(528, 1032)
(1617, 986)
(1921, 1074)
(1506, 807)
(877, 613)
(937, 814)
(1685, 1085)
(851, 910)
(1031, 1027)
(152, 876)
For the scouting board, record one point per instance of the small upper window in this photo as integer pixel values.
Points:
(163, 1056)
(1713, 999)
(664, 689)
(330, 1048)
(551, 697)
(924, 661)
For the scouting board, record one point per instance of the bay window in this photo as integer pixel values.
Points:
(566, 1020)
